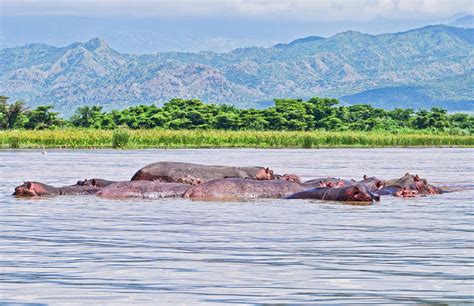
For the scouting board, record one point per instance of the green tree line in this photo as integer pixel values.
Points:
(286, 115)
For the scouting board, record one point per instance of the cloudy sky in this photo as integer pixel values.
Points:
(220, 25)
(274, 9)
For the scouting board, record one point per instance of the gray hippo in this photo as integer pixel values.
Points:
(237, 188)
(143, 189)
(36, 189)
(177, 172)
(95, 182)
(352, 193)
(327, 182)
(408, 186)
(372, 182)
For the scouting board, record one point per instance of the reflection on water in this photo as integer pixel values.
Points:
(83, 249)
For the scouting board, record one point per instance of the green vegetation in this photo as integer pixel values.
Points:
(156, 138)
(318, 122)
(120, 138)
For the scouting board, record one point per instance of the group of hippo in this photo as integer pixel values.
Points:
(177, 179)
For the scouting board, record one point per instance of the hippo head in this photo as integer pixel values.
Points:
(372, 182)
(414, 182)
(34, 189)
(85, 182)
(361, 193)
(406, 193)
(289, 177)
(332, 183)
(264, 174)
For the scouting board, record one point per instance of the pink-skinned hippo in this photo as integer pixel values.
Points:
(36, 189)
(352, 193)
(143, 189)
(237, 188)
(178, 172)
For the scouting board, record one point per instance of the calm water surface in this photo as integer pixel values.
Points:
(83, 250)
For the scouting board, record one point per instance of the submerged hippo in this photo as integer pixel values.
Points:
(408, 186)
(288, 177)
(353, 193)
(327, 182)
(243, 188)
(372, 182)
(176, 172)
(143, 189)
(95, 182)
(36, 189)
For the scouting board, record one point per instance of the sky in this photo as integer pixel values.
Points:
(308, 10)
(146, 26)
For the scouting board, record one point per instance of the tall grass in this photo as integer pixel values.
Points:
(133, 139)
(120, 138)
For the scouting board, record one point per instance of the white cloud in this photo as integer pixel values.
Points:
(272, 9)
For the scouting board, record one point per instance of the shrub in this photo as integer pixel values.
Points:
(120, 138)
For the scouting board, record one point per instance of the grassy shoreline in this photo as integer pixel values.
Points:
(140, 139)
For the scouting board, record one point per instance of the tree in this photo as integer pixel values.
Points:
(11, 116)
(227, 121)
(43, 118)
(89, 116)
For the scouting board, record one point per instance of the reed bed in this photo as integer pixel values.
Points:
(135, 139)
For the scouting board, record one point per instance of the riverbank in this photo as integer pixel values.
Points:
(140, 139)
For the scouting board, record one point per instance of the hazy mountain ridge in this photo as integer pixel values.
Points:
(426, 64)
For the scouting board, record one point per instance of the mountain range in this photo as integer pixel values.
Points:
(420, 68)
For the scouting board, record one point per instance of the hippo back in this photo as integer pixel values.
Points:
(177, 172)
(143, 189)
(243, 188)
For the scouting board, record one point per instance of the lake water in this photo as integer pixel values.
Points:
(78, 250)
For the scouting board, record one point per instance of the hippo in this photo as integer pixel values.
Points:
(408, 186)
(36, 189)
(373, 183)
(287, 177)
(237, 188)
(143, 189)
(175, 172)
(352, 193)
(327, 182)
(95, 182)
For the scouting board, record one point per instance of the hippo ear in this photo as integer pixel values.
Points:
(365, 177)
(93, 182)
(407, 174)
(417, 178)
(340, 184)
(329, 184)
(353, 180)
(28, 185)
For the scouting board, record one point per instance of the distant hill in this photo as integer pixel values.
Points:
(424, 67)
(463, 22)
